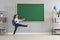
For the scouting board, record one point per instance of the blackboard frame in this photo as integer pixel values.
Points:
(28, 3)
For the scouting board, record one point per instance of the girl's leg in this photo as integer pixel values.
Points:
(15, 29)
(22, 25)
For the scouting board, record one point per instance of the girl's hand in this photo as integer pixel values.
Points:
(23, 19)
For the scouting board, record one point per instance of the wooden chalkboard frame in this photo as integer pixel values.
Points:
(28, 3)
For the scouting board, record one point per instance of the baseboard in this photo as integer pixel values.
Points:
(30, 33)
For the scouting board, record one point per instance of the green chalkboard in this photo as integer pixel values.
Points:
(31, 12)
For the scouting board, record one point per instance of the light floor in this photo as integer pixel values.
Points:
(30, 37)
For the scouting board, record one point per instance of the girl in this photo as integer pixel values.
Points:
(16, 22)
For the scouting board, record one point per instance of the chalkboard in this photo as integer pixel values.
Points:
(31, 12)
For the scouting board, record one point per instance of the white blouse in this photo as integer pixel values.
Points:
(17, 20)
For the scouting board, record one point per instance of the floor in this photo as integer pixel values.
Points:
(29, 37)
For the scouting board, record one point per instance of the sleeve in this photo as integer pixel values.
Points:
(20, 20)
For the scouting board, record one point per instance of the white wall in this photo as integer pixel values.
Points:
(39, 27)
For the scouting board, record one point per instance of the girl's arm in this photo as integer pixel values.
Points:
(21, 20)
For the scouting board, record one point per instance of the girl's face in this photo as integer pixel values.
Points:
(16, 16)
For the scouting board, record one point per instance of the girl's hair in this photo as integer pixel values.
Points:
(14, 16)
(13, 20)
